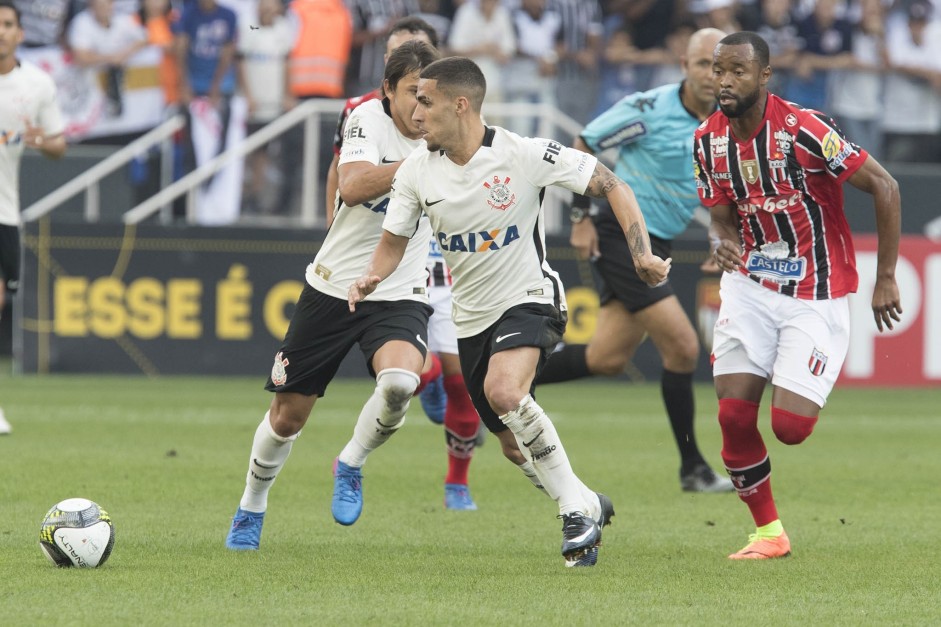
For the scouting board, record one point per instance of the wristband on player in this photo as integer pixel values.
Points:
(580, 206)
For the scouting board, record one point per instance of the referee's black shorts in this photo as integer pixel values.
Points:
(322, 331)
(529, 324)
(10, 256)
(614, 273)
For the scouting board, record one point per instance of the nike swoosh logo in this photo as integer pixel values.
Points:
(500, 338)
(428, 203)
(384, 160)
(582, 537)
(530, 443)
(421, 341)
(265, 466)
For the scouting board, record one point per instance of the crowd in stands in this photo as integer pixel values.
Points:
(123, 65)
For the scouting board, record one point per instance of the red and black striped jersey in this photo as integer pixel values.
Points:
(787, 183)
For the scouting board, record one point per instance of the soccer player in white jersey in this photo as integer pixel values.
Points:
(481, 187)
(441, 388)
(391, 329)
(29, 116)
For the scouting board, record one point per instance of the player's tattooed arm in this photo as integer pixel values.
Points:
(636, 241)
(604, 184)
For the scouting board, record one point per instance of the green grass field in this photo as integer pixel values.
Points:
(167, 459)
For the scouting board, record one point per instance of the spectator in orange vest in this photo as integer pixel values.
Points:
(316, 69)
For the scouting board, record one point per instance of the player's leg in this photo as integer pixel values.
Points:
(430, 390)
(812, 345)
(745, 346)
(321, 325)
(507, 389)
(748, 463)
(394, 344)
(675, 339)
(271, 446)
(441, 338)
(461, 424)
(475, 354)
(525, 335)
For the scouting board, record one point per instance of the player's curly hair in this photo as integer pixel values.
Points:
(748, 38)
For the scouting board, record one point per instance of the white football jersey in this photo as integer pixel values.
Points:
(370, 135)
(26, 93)
(488, 221)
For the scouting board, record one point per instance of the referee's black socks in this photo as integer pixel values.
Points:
(566, 364)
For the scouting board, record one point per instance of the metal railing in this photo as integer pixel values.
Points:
(308, 112)
(548, 122)
(89, 181)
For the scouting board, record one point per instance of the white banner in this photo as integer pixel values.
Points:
(81, 93)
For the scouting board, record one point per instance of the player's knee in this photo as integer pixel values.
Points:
(502, 396)
(791, 428)
(397, 387)
(737, 416)
(609, 365)
(680, 354)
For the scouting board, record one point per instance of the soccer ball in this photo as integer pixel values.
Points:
(77, 532)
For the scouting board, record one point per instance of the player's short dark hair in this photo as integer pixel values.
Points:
(8, 4)
(410, 57)
(458, 76)
(748, 38)
(415, 25)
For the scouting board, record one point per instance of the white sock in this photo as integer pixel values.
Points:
(381, 416)
(536, 434)
(591, 500)
(269, 452)
(530, 472)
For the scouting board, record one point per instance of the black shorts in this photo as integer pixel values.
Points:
(614, 273)
(322, 332)
(10, 257)
(529, 324)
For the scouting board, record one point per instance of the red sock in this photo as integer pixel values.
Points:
(460, 429)
(746, 458)
(427, 377)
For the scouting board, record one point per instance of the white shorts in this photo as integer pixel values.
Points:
(442, 334)
(800, 344)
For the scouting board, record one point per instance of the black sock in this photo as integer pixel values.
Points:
(677, 390)
(567, 364)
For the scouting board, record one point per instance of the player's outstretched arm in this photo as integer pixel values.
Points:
(604, 184)
(385, 259)
(873, 179)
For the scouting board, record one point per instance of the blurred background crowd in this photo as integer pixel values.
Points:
(123, 66)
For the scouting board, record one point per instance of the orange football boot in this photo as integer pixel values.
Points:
(764, 548)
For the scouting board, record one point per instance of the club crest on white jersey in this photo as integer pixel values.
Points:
(501, 198)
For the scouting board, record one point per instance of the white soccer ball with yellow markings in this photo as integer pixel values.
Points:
(77, 532)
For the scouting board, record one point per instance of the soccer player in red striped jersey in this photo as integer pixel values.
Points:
(771, 173)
